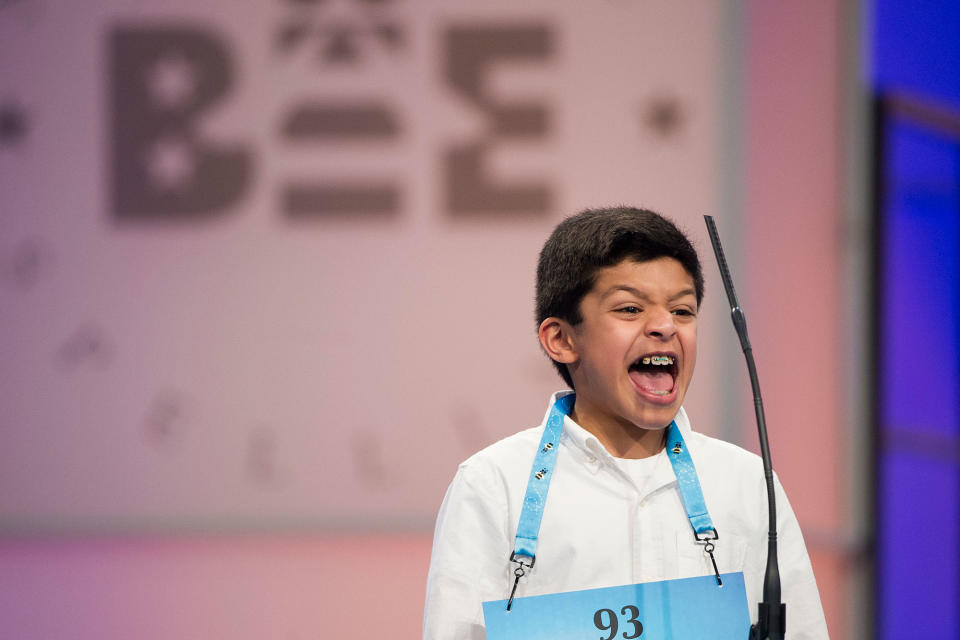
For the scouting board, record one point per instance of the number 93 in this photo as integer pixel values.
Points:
(612, 623)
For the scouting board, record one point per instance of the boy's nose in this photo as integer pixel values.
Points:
(661, 325)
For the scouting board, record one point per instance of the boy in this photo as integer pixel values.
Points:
(618, 291)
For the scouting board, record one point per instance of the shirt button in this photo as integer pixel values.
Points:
(591, 457)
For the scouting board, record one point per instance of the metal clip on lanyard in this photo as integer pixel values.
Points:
(528, 529)
(692, 495)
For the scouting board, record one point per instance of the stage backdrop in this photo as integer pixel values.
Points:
(270, 265)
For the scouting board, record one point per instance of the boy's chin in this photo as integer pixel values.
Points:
(656, 417)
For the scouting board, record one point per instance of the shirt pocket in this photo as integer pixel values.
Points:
(692, 560)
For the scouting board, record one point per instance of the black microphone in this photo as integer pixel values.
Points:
(772, 618)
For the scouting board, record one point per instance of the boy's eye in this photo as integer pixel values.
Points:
(629, 309)
(683, 312)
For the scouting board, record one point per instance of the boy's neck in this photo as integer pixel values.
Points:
(622, 440)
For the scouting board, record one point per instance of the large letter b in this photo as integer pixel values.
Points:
(161, 80)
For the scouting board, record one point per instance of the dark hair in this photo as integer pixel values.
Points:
(593, 239)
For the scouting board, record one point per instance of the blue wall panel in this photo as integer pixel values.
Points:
(920, 327)
(917, 56)
(916, 48)
(918, 592)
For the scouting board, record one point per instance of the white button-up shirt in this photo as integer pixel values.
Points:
(601, 529)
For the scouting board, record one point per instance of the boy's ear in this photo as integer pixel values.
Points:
(556, 338)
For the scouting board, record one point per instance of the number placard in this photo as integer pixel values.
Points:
(684, 608)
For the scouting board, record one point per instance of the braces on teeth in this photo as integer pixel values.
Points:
(660, 360)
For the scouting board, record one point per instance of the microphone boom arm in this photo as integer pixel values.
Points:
(772, 617)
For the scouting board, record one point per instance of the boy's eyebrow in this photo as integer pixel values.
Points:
(683, 294)
(640, 294)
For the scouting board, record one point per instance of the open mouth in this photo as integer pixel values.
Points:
(655, 373)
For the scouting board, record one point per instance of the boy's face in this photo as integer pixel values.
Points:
(636, 346)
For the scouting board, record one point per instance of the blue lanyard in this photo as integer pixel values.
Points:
(539, 482)
(528, 528)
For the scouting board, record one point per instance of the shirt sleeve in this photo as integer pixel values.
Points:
(805, 620)
(469, 561)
